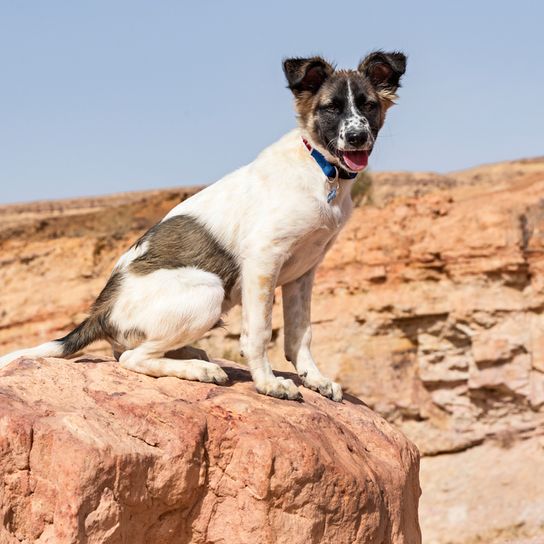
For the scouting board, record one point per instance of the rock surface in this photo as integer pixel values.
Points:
(430, 308)
(90, 452)
(457, 494)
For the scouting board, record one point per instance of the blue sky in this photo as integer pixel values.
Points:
(102, 96)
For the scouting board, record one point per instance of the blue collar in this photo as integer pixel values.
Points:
(329, 169)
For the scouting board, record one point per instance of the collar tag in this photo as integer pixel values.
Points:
(334, 185)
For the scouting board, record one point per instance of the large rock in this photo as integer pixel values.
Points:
(91, 453)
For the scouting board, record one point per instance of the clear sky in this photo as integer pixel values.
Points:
(102, 96)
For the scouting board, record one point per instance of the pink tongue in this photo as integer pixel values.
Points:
(355, 160)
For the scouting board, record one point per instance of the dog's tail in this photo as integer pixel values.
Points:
(93, 328)
(86, 332)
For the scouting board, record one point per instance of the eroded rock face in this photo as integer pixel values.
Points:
(90, 452)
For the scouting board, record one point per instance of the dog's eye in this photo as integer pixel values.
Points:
(360, 102)
(336, 106)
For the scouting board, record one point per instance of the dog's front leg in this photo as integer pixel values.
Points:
(259, 277)
(297, 297)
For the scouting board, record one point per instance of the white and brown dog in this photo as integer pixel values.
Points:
(267, 224)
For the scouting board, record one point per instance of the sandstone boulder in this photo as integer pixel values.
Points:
(92, 453)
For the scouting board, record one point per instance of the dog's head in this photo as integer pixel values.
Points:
(342, 111)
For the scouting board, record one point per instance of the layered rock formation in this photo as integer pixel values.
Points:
(429, 308)
(90, 452)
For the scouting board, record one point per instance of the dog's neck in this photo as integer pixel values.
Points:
(329, 169)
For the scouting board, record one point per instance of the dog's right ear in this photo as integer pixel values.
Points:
(306, 75)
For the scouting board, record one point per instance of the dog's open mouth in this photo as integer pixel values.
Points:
(354, 160)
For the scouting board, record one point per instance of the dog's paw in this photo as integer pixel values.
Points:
(212, 373)
(324, 386)
(281, 388)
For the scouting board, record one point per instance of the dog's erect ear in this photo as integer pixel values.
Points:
(384, 70)
(306, 75)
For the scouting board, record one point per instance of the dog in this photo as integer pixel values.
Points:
(268, 224)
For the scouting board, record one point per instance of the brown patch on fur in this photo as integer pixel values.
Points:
(266, 296)
(305, 106)
(181, 242)
(265, 282)
(134, 335)
(387, 99)
(266, 285)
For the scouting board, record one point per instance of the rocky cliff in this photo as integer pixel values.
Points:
(429, 308)
(92, 453)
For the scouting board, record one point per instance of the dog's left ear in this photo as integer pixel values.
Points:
(306, 75)
(384, 71)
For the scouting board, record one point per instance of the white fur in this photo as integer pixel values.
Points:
(171, 307)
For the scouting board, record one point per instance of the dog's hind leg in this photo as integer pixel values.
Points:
(144, 361)
(158, 313)
(184, 353)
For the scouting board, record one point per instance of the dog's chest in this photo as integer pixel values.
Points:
(309, 250)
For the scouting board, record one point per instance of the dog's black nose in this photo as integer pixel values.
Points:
(357, 139)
